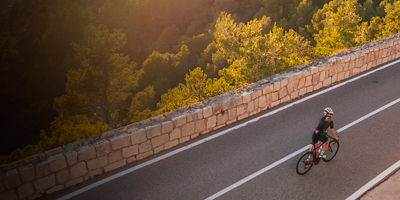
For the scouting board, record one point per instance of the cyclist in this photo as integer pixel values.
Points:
(322, 130)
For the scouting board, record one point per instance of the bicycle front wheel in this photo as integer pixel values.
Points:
(304, 164)
(332, 150)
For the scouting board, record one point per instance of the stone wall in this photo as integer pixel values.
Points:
(76, 162)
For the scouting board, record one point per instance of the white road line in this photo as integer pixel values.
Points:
(127, 171)
(259, 172)
(374, 181)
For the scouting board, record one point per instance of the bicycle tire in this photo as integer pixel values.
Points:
(332, 150)
(301, 167)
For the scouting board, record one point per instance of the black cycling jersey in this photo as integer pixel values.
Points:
(323, 125)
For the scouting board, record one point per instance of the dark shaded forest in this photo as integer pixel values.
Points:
(72, 69)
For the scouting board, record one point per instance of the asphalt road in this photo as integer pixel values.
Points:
(367, 149)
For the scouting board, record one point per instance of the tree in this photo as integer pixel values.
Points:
(197, 88)
(337, 25)
(102, 86)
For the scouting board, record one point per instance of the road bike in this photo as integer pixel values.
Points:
(304, 164)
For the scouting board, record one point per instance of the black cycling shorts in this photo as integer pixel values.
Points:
(321, 136)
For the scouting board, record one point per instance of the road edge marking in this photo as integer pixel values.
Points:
(282, 160)
(374, 181)
(167, 155)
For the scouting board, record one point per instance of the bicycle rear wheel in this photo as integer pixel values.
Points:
(303, 165)
(332, 150)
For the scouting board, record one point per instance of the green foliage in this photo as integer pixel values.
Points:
(103, 84)
(337, 26)
(197, 88)
(142, 104)
(252, 54)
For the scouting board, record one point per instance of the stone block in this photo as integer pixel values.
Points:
(315, 79)
(268, 89)
(283, 93)
(255, 94)
(55, 189)
(228, 104)
(240, 117)
(217, 109)
(120, 142)
(310, 89)
(42, 169)
(232, 114)
(115, 156)
(188, 129)
(25, 190)
(262, 102)
(199, 114)
(160, 140)
(78, 170)
(158, 149)
(285, 99)
(275, 96)
(246, 97)
(12, 179)
(189, 117)
(294, 95)
(72, 157)
(315, 70)
(27, 173)
(180, 120)
(171, 144)
(318, 86)
(74, 182)
(144, 147)
(103, 149)
(175, 134)
(9, 195)
(153, 131)
(322, 76)
(87, 154)
(45, 183)
(114, 165)
(275, 103)
(131, 159)
(62, 176)
(284, 82)
(211, 122)
(167, 127)
(237, 100)
(57, 162)
(240, 109)
(207, 111)
(144, 155)
(222, 118)
(327, 82)
(184, 139)
(93, 173)
(250, 107)
(138, 137)
(302, 83)
(97, 163)
(194, 136)
(130, 151)
(334, 78)
(277, 86)
(302, 91)
(308, 81)
(200, 125)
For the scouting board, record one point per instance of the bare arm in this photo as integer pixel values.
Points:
(334, 134)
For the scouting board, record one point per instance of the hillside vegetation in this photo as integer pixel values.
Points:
(73, 69)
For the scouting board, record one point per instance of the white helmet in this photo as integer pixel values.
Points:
(328, 110)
